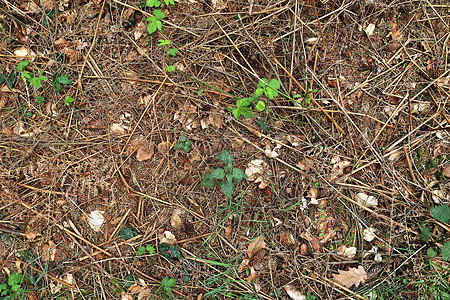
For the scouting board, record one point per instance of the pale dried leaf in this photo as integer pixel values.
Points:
(366, 200)
(118, 129)
(287, 239)
(176, 221)
(354, 276)
(256, 245)
(369, 234)
(195, 155)
(31, 235)
(369, 29)
(244, 265)
(216, 118)
(167, 237)
(49, 251)
(125, 296)
(347, 252)
(447, 171)
(305, 164)
(272, 153)
(294, 293)
(443, 82)
(164, 147)
(24, 51)
(96, 219)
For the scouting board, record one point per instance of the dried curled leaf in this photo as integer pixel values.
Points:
(354, 276)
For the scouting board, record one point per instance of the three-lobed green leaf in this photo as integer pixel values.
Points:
(218, 174)
(22, 64)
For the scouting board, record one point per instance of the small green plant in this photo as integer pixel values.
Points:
(167, 284)
(170, 51)
(12, 289)
(183, 143)
(306, 97)
(230, 174)
(35, 81)
(68, 100)
(9, 79)
(170, 68)
(147, 249)
(58, 80)
(157, 3)
(310, 296)
(154, 22)
(442, 214)
(244, 106)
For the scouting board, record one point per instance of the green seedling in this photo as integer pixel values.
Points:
(306, 97)
(157, 3)
(265, 87)
(35, 81)
(155, 21)
(183, 143)
(170, 69)
(441, 214)
(58, 80)
(9, 79)
(230, 174)
(167, 284)
(147, 249)
(68, 100)
(40, 100)
(170, 51)
(12, 289)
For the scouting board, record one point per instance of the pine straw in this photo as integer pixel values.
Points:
(74, 164)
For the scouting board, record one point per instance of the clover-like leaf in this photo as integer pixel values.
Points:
(238, 175)
(64, 79)
(128, 233)
(172, 51)
(208, 181)
(218, 173)
(446, 251)
(22, 64)
(226, 157)
(227, 188)
(441, 213)
(159, 14)
(260, 106)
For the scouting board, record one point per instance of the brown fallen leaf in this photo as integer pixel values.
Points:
(287, 239)
(354, 276)
(256, 245)
(293, 293)
(145, 151)
(164, 147)
(447, 171)
(175, 220)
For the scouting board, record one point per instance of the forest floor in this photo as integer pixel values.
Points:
(224, 149)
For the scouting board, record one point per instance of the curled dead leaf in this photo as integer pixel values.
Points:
(175, 220)
(287, 239)
(354, 276)
(256, 245)
(145, 151)
(164, 147)
(366, 200)
(346, 252)
(293, 292)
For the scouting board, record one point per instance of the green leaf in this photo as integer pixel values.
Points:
(227, 188)
(182, 138)
(150, 249)
(431, 252)
(163, 42)
(425, 233)
(172, 51)
(208, 181)
(25, 74)
(187, 146)
(153, 3)
(229, 177)
(128, 233)
(236, 113)
(64, 79)
(159, 14)
(225, 156)
(22, 64)
(238, 174)
(128, 281)
(446, 251)
(11, 80)
(141, 251)
(151, 27)
(263, 83)
(260, 106)
(36, 82)
(218, 173)
(275, 84)
(42, 77)
(178, 146)
(40, 100)
(167, 2)
(258, 92)
(175, 251)
(170, 69)
(15, 278)
(246, 112)
(158, 25)
(441, 213)
(3, 78)
(151, 19)
(68, 100)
